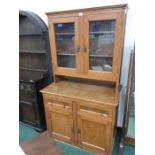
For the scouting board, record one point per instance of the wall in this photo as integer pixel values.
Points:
(40, 7)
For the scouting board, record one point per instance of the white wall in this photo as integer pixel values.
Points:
(41, 6)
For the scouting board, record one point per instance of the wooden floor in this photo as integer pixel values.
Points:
(43, 144)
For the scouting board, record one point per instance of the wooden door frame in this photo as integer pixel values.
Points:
(63, 70)
(103, 121)
(57, 109)
(118, 40)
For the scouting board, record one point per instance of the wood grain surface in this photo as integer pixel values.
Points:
(82, 91)
(43, 144)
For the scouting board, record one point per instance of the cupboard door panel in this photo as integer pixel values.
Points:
(103, 37)
(64, 33)
(27, 113)
(65, 40)
(60, 122)
(95, 133)
(101, 44)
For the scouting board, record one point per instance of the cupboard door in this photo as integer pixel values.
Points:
(27, 113)
(64, 33)
(95, 132)
(59, 120)
(103, 37)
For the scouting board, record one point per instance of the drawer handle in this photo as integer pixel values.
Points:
(96, 113)
(65, 106)
(103, 114)
(51, 102)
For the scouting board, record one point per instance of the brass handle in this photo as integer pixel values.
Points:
(50, 102)
(54, 103)
(103, 114)
(96, 113)
(64, 106)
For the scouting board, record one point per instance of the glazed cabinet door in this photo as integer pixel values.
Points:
(59, 120)
(64, 39)
(94, 131)
(103, 40)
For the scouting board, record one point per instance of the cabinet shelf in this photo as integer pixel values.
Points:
(32, 51)
(66, 54)
(65, 33)
(33, 69)
(26, 102)
(102, 56)
(29, 34)
(102, 32)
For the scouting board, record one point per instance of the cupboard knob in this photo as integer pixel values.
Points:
(78, 49)
(85, 49)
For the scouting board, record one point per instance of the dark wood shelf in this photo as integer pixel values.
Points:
(65, 33)
(26, 102)
(102, 32)
(32, 51)
(29, 34)
(66, 54)
(33, 69)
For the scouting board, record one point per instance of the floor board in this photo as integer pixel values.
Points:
(26, 133)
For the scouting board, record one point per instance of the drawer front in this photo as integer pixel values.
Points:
(56, 103)
(92, 110)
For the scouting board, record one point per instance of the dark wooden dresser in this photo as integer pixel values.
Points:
(34, 68)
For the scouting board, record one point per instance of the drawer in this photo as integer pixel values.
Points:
(54, 102)
(58, 104)
(57, 98)
(104, 112)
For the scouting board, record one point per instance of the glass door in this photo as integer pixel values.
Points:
(65, 44)
(103, 45)
(65, 41)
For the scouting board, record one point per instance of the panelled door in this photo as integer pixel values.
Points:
(59, 120)
(64, 39)
(94, 131)
(103, 40)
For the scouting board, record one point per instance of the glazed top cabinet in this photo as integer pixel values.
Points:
(87, 43)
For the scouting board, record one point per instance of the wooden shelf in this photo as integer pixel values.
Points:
(66, 54)
(26, 102)
(29, 34)
(102, 32)
(33, 69)
(32, 51)
(103, 56)
(65, 33)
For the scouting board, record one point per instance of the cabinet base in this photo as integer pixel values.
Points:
(83, 148)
